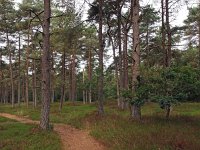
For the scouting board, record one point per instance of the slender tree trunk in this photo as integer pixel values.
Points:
(46, 93)
(63, 80)
(163, 34)
(34, 84)
(30, 34)
(121, 86)
(125, 50)
(70, 80)
(168, 109)
(90, 76)
(52, 77)
(24, 87)
(1, 79)
(11, 70)
(33, 94)
(136, 113)
(116, 70)
(27, 68)
(199, 31)
(147, 45)
(84, 88)
(73, 91)
(169, 39)
(101, 49)
(125, 62)
(19, 72)
(86, 96)
(6, 95)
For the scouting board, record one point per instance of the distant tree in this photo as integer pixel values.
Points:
(148, 27)
(7, 27)
(192, 30)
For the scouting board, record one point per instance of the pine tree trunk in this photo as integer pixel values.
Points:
(101, 49)
(34, 84)
(168, 109)
(63, 80)
(121, 86)
(125, 63)
(52, 77)
(116, 72)
(11, 70)
(24, 87)
(73, 91)
(115, 62)
(27, 67)
(135, 55)
(70, 80)
(136, 112)
(90, 76)
(46, 93)
(147, 46)
(1, 78)
(163, 34)
(125, 50)
(83, 84)
(199, 32)
(169, 38)
(19, 72)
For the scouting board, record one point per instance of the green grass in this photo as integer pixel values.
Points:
(70, 114)
(18, 136)
(119, 132)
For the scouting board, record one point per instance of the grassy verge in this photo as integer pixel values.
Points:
(70, 114)
(15, 135)
(116, 130)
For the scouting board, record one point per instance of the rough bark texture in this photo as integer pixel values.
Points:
(135, 55)
(46, 94)
(100, 75)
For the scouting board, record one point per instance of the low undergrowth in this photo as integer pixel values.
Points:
(18, 136)
(119, 132)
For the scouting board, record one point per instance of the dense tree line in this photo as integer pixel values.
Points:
(49, 54)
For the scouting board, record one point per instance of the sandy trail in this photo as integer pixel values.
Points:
(72, 138)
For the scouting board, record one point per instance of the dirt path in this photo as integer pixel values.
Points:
(72, 139)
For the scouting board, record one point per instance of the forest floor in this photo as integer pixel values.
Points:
(115, 130)
(71, 138)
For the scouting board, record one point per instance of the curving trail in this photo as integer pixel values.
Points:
(72, 138)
